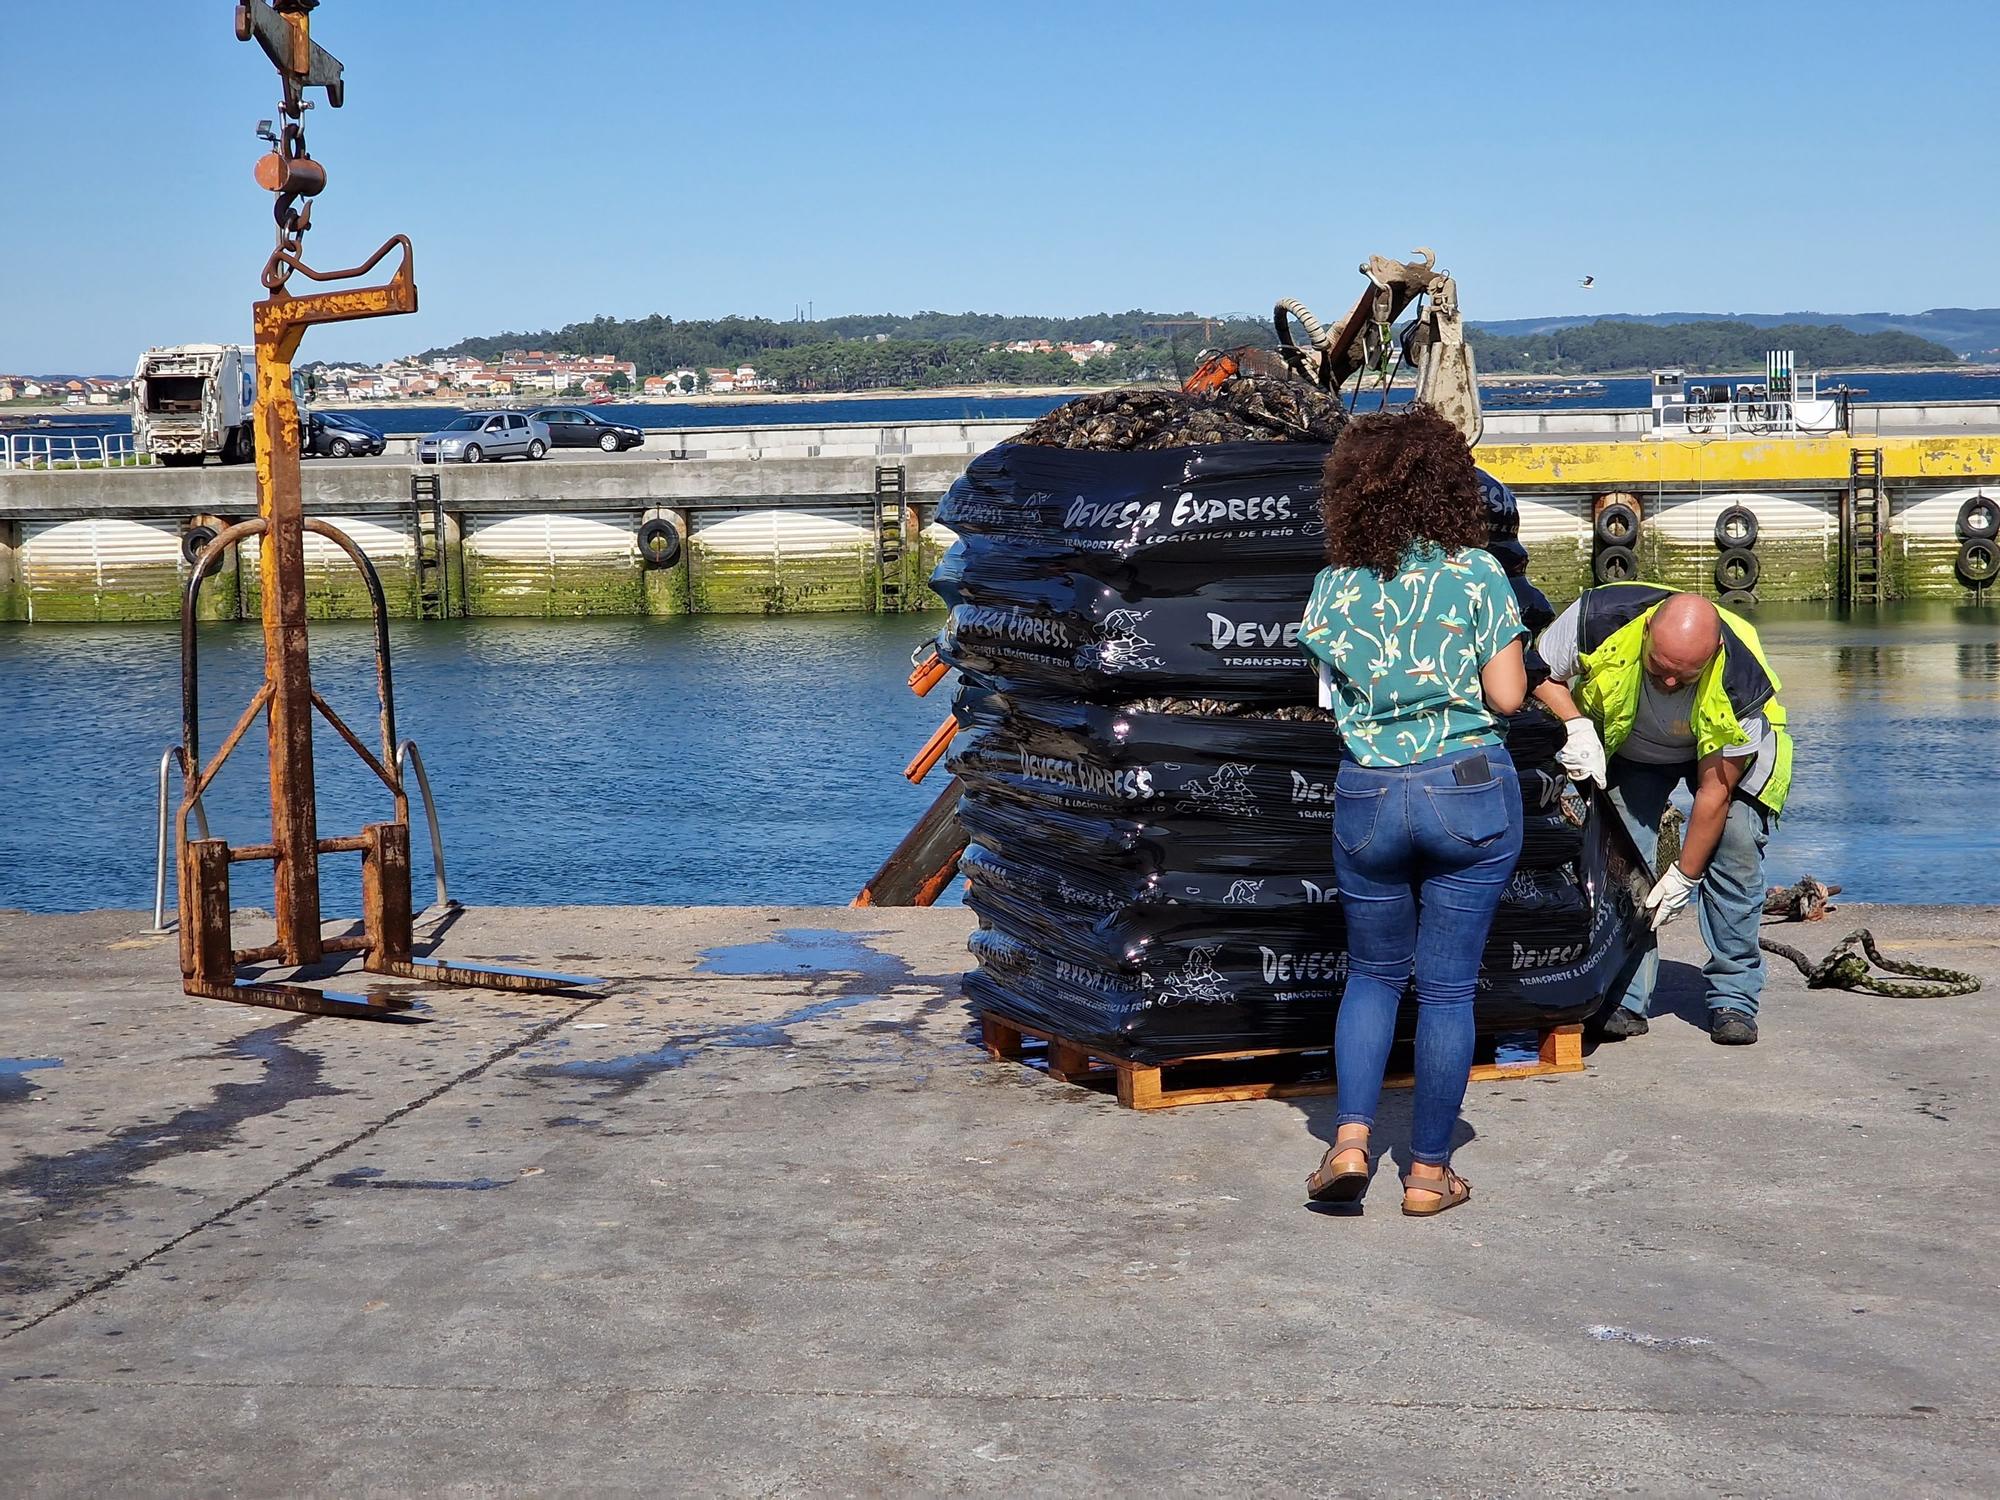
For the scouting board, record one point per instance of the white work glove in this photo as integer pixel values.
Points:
(1669, 896)
(1583, 755)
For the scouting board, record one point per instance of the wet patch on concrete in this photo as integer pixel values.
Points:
(15, 1085)
(69, 1187)
(623, 1073)
(801, 951)
(632, 1070)
(845, 970)
(777, 1033)
(372, 1177)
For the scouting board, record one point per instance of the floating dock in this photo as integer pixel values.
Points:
(839, 517)
(768, 1220)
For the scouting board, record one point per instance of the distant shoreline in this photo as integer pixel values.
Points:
(1511, 377)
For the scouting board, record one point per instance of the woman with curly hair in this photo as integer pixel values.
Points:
(1419, 648)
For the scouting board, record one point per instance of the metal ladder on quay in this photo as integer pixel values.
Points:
(427, 532)
(891, 498)
(1862, 576)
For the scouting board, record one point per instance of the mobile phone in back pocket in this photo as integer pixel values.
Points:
(1474, 770)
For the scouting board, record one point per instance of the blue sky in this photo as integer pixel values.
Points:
(554, 160)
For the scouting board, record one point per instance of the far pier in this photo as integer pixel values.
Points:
(815, 517)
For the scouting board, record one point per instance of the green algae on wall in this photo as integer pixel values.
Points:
(731, 582)
(1559, 568)
(336, 591)
(1926, 567)
(919, 563)
(666, 589)
(1793, 568)
(56, 602)
(1790, 568)
(147, 591)
(136, 591)
(554, 587)
(13, 603)
(221, 596)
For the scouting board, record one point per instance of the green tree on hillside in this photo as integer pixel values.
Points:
(878, 352)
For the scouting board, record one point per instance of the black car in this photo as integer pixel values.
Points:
(333, 434)
(572, 427)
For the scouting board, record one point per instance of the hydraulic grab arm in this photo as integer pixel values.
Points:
(1433, 343)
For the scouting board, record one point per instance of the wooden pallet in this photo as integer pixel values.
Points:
(1220, 1077)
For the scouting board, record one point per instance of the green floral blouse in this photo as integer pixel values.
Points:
(1402, 655)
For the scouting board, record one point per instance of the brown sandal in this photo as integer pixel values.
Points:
(1450, 1190)
(1332, 1184)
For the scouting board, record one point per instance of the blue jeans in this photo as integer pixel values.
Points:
(1421, 862)
(1729, 901)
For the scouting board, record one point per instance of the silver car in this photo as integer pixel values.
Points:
(478, 436)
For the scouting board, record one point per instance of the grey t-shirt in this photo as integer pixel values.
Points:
(1660, 733)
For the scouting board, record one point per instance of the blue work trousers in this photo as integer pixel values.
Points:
(1421, 860)
(1729, 902)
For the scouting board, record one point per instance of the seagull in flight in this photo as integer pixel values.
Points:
(1587, 282)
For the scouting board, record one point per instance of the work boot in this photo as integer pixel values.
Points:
(1623, 1022)
(1732, 1028)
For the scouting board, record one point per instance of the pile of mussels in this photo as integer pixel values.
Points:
(1245, 409)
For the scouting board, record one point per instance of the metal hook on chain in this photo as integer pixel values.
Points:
(281, 28)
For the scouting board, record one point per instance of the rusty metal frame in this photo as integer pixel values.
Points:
(287, 700)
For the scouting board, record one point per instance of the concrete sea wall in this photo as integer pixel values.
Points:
(783, 520)
(1796, 488)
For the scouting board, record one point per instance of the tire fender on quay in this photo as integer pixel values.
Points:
(660, 540)
(1617, 521)
(195, 539)
(1737, 571)
(1978, 562)
(1615, 565)
(1736, 528)
(1979, 519)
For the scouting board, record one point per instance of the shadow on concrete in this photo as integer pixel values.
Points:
(1389, 1140)
(1679, 994)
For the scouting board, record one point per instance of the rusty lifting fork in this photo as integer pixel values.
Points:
(209, 959)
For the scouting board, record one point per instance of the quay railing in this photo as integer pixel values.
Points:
(172, 759)
(69, 450)
(1750, 418)
(408, 759)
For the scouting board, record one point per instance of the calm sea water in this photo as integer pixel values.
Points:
(1948, 385)
(726, 760)
(707, 760)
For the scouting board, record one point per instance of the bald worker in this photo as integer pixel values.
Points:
(1659, 689)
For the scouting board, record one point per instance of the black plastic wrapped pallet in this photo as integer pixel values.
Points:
(1235, 637)
(1243, 777)
(1130, 519)
(1261, 774)
(1076, 891)
(1147, 782)
(1199, 729)
(1242, 506)
(1155, 982)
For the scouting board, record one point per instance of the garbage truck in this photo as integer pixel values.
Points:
(191, 400)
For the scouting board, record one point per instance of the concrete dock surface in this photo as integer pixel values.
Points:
(763, 1221)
